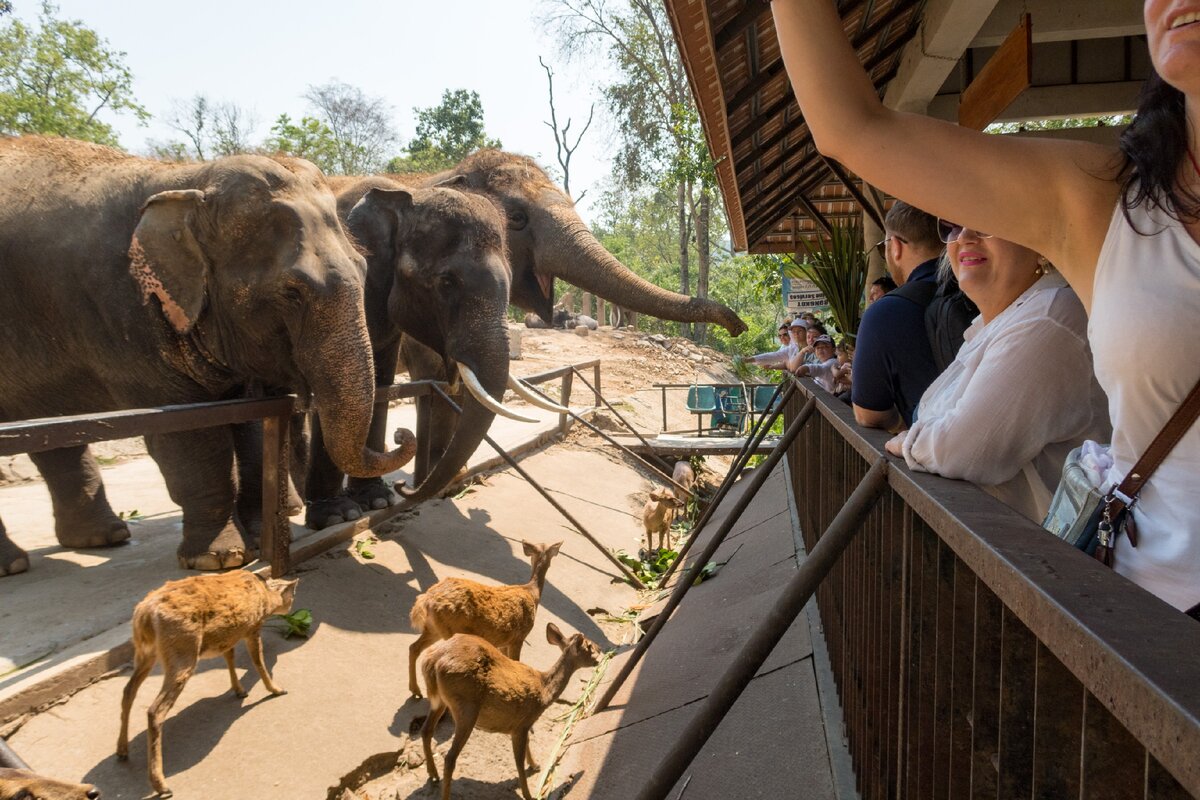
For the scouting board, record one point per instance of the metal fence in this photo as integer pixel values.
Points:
(975, 655)
(38, 435)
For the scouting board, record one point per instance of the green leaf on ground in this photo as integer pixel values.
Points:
(297, 623)
(363, 547)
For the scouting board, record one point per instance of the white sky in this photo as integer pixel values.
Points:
(263, 54)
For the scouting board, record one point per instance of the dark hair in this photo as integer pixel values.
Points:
(816, 325)
(913, 225)
(1153, 146)
(886, 283)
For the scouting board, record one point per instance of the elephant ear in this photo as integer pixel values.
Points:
(166, 259)
(380, 219)
(453, 182)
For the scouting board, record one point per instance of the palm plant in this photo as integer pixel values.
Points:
(838, 266)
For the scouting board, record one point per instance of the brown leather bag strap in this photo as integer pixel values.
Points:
(1178, 425)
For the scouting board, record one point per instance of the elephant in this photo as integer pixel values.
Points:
(129, 282)
(437, 273)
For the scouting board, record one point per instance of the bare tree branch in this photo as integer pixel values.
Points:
(561, 139)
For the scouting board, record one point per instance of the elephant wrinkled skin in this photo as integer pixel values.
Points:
(135, 283)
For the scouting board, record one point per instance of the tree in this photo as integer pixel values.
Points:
(562, 144)
(310, 138)
(446, 134)
(57, 78)
(211, 129)
(360, 127)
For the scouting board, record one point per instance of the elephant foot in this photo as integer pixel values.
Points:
(12, 558)
(332, 511)
(227, 549)
(102, 530)
(371, 494)
(295, 504)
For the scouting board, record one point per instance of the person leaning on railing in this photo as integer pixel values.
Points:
(776, 359)
(1122, 224)
(1021, 392)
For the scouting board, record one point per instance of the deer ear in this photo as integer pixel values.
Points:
(552, 550)
(554, 635)
(529, 549)
(166, 259)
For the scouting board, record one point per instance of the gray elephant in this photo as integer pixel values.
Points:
(132, 283)
(438, 273)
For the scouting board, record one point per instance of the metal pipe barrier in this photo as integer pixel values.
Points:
(9, 759)
(763, 427)
(975, 655)
(689, 580)
(512, 462)
(770, 630)
(600, 399)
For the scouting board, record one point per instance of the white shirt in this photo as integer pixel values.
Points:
(1145, 306)
(778, 359)
(822, 372)
(1018, 397)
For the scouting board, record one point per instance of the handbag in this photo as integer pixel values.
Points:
(1080, 515)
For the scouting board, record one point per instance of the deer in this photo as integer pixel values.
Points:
(484, 688)
(186, 620)
(503, 615)
(683, 476)
(21, 784)
(657, 516)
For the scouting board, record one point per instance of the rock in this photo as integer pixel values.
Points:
(18, 469)
(582, 330)
(696, 357)
(618, 335)
(659, 339)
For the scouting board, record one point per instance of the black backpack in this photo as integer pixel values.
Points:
(948, 314)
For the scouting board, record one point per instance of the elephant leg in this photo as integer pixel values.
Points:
(12, 558)
(199, 471)
(373, 493)
(327, 504)
(248, 445)
(82, 515)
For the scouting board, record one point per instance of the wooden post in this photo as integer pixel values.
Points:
(276, 539)
(601, 308)
(585, 306)
(564, 422)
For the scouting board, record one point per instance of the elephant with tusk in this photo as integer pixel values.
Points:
(134, 283)
(438, 273)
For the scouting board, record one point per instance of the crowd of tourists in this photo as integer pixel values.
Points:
(1077, 270)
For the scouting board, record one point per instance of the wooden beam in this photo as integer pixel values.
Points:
(754, 86)
(815, 214)
(751, 13)
(1007, 73)
(852, 187)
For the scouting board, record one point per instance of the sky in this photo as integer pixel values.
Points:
(263, 54)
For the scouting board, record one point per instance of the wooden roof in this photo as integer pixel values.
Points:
(773, 179)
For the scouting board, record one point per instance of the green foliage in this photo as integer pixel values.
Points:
(310, 138)
(1060, 124)
(838, 266)
(363, 547)
(56, 78)
(446, 134)
(298, 623)
(649, 569)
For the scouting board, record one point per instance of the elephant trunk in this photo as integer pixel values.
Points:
(335, 358)
(581, 260)
(485, 352)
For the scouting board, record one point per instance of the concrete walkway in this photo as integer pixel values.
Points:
(773, 742)
(73, 606)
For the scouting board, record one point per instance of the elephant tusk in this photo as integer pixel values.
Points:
(486, 400)
(533, 398)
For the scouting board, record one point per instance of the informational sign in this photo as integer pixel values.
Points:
(801, 295)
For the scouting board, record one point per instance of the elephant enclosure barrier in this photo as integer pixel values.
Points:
(275, 413)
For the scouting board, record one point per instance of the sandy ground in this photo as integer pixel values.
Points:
(347, 723)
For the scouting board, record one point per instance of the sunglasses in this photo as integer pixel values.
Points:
(880, 244)
(950, 231)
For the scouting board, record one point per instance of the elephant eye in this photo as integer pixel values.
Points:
(517, 220)
(447, 282)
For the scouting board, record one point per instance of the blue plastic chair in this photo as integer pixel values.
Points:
(732, 400)
(702, 400)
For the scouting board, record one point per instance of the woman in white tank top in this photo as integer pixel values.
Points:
(1122, 226)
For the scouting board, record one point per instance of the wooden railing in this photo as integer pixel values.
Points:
(975, 655)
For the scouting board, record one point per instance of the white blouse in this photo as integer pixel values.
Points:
(1018, 397)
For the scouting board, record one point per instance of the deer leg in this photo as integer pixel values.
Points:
(233, 676)
(173, 683)
(436, 710)
(520, 743)
(143, 662)
(415, 649)
(254, 645)
(464, 724)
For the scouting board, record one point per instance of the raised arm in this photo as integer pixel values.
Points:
(1056, 197)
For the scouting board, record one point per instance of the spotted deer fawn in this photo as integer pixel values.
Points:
(484, 688)
(503, 615)
(186, 620)
(20, 784)
(657, 516)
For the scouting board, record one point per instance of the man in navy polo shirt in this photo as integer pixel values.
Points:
(893, 361)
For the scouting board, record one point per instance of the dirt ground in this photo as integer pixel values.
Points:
(346, 731)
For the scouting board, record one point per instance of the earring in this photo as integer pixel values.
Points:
(1043, 266)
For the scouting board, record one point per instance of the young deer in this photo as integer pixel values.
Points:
(657, 516)
(503, 615)
(684, 476)
(484, 688)
(186, 620)
(20, 784)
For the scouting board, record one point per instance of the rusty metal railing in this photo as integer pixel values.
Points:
(976, 655)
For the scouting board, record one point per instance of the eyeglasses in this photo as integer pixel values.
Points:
(879, 245)
(951, 231)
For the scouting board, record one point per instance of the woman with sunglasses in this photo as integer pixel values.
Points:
(1122, 224)
(1021, 392)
